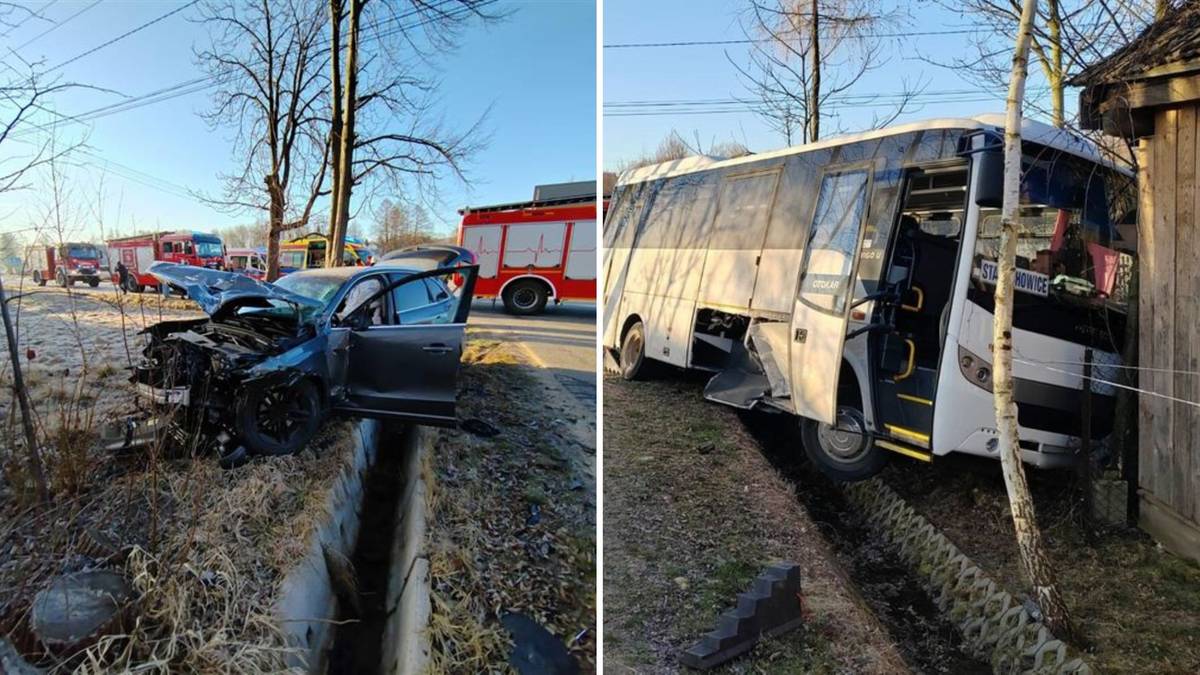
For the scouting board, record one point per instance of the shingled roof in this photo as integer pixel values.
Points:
(1173, 40)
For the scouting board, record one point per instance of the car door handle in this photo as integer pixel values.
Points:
(437, 348)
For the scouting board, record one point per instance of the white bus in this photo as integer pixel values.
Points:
(849, 282)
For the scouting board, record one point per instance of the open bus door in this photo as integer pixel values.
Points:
(819, 316)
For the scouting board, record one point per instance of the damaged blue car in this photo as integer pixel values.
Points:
(273, 360)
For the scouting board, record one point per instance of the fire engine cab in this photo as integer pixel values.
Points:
(532, 252)
(66, 263)
(138, 252)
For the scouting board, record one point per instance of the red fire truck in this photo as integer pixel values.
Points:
(532, 252)
(66, 263)
(140, 251)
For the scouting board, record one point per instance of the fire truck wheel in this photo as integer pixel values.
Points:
(38, 278)
(525, 297)
(62, 280)
(633, 353)
(93, 282)
(846, 451)
(137, 288)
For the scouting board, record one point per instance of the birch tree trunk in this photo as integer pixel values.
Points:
(1029, 539)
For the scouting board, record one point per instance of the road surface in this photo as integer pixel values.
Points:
(563, 341)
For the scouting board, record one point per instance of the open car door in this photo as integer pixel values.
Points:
(820, 309)
(408, 371)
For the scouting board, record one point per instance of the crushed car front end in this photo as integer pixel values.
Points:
(236, 378)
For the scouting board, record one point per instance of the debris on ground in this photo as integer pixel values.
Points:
(535, 650)
(489, 556)
(75, 610)
(771, 606)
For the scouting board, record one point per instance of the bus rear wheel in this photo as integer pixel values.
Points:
(844, 451)
(525, 297)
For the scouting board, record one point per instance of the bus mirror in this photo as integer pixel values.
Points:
(989, 186)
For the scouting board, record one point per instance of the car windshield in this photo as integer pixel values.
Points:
(320, 287)
(85, 252)
(209, 249)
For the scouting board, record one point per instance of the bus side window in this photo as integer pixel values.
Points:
(833, 240)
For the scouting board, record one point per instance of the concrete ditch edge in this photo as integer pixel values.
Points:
(996, 626)
(306, 608)
(406, 647)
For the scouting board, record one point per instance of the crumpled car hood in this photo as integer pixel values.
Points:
(215, 290)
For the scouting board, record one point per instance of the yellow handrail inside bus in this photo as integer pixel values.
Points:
(912, 361)
(920, 300)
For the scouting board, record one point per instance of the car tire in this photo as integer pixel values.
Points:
(632, 357)
(525, 297)
(280, 422)
(846, 453)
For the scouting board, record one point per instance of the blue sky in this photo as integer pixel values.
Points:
(535, 70)
(704, 72)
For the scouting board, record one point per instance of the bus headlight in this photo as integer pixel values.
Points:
(976, 369)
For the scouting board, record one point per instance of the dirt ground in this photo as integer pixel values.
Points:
(1136, 605)
(692, 513)
(513, 526)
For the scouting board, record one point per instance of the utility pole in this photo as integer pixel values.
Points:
(33, 454)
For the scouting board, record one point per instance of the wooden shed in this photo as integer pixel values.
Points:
(1149, 93)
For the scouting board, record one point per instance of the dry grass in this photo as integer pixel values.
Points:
(486, 558)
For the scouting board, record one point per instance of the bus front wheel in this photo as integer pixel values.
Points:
(844, 451)
(633, 353)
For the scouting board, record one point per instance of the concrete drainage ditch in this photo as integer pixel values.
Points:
(359, 599)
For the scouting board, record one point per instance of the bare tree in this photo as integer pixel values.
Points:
(269, 60)
(1066, 35)
(399, 224)
(383, 121)
(1034, 559)
(673, 147)
(806, 54)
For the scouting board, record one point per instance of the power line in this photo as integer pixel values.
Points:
(32, 15)
(196, 85)
(56, 26)
(207, 82)
(747, 41)
(124, 35)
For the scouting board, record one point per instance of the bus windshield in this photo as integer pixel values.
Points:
(1072, 280)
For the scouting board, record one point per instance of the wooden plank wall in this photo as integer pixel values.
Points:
(1169, 255)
